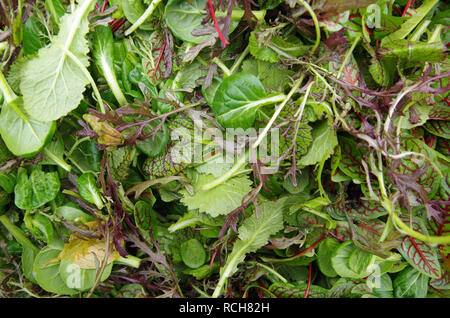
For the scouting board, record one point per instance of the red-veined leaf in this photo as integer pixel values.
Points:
(420, 255)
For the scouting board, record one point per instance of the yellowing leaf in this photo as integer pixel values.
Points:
(84, 251)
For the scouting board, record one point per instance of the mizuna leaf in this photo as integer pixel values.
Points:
(254, 233)
(219, 200)
(297, 290)
(52, 83)
(420, 255)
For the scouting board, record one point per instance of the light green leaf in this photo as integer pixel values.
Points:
(88, 190)
(408, 26)
(219, 200)
(52, 83)
(410, 283)
(23, 135)
(217, 167)
(47, 272)
(193, 253)
(324, 142)
(80, 278)
(254, 233)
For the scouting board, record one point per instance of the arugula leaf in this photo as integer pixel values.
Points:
(52, 83)
(254, 233)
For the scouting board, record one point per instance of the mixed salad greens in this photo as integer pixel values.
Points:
(224, 148)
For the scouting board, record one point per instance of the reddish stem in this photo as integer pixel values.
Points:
(105, 3)
(301, 253)
(309, 281)
(216, 24)
(405, 11)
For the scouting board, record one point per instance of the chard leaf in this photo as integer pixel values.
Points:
(23, 135)
(297, 290)
(351, 156)
(32, 192)
(420, 255)
(219, 200)
(52, 83)
(238, 98)
(254, 233)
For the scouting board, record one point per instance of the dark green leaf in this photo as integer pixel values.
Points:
(32, 192)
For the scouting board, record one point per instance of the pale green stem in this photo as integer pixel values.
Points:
(222, 66)
(148, 12)
(239, 60)
(129, 260)
(316, 24)
(8, 94)
(277, 112)
(110, 77)
(86, 73)
(57, 160)
(227, 175)
(419, 31)
(348, 55)
(436, 36)
(271, 270)
(18, 234)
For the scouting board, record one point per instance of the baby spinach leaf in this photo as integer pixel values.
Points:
(52, 83)
(32, 192)
(87, 187)
(183, 17)
(238, 98)
(133, 10)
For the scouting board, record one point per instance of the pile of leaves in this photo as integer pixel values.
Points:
(102, 103)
